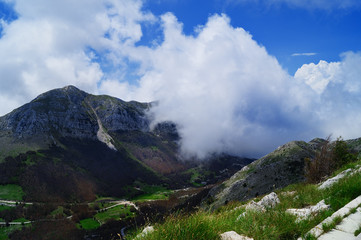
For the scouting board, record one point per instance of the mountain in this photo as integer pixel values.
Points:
(69, 145)
(278, 169)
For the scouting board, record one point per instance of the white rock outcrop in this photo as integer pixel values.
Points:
(232, 235)
(329, 182)
(268, 201)
(145, 231)
(304, 213)
(255, 206)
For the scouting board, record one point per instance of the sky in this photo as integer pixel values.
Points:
(236, 76)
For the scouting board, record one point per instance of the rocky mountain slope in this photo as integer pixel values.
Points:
(276, 170)
(100, 142)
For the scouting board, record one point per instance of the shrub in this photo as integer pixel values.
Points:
(330, 157)
(322, 165)
(341, 153)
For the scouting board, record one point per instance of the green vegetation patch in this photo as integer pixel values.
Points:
(275, 223)
(344, 191)
(6, 231)
(116, 213)
(2, 208)
(152, 192)
(358, 231)
(59, 211)
(11, 192)
(326, 227)
(89, 224)
(21, 220)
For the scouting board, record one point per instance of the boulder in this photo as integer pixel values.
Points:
(270, 200)
(145, 232)
(232, 235)
(255, 206)
(304, 213)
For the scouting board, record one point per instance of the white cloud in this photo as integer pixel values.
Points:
(223, 89)
(303, 54)
(53, 44)
(318, 76)
(228, 94)
(338, 87)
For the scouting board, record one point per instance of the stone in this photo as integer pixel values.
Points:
(145, 232)
(254, 206)
(329, 182)
(304, 213)
(270, 200)
(232, 235)
(351, 223)
(336, 235)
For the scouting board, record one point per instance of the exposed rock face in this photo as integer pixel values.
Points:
(70, 112)
(278, 169)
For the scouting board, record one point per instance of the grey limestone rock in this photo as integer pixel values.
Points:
(70, 112)
(278, 169)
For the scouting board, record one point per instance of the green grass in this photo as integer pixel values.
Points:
(58, 212)
(272, 224)
(204, 225)
(344, 191)
(5, 231)
(2, 208)
(11, 192)
(195, 174)
(326, 227)
(153, 192)
(358, 231)
(310, 237)
(21, 220)
(114, 213)
(89, 224)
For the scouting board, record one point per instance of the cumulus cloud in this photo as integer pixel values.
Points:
(338, 88)
(53, 44)
(223, 89)
(318, 76)
(225, 92)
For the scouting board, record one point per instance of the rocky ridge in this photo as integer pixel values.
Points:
(278, 169)
(70, 112)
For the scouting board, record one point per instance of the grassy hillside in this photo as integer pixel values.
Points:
(275, 223)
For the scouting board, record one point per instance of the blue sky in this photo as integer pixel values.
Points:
(281, 28)
(237, 76)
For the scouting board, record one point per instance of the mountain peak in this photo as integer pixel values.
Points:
(71, 112)
(71, 88)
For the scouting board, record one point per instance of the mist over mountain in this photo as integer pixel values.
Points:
(98, 143)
